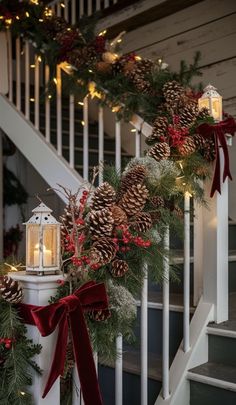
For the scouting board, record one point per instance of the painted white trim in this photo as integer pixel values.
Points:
(226, 385)
(221, 332)
(159, 305)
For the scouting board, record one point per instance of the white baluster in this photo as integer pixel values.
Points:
(118, 145)
(36, 92)
(144, 340)
(66, 10)
(81, 8)
(106, 3)
(59, 123)
(90, 7)
(165, 322)
(119, 371)
(27, 80)
(186, 344)
(58, 8)
(85, 140)
(137, 143)
(100, 141)
(98, 5)
(73, 12)
(72, 131)
(18, 75)
(9, 41)
(47, 105)
(115, 1)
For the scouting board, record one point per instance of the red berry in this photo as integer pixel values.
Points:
(85, 193)
(8, 345)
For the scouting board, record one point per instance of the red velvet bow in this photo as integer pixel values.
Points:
(70, 309)
(219, 130)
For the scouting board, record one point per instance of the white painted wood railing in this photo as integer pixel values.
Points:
(73, 10)
(25, 91)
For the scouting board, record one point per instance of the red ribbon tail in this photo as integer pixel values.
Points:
(84, 358)
(223, 143)
(59, 358)
(216, 179)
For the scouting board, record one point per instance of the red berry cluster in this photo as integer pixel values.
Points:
(83, 201)
(176, 135)
(128, 238)
(80, 261)
(100, 42)
(7, 342)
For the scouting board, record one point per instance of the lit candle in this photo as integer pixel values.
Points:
(47, 256)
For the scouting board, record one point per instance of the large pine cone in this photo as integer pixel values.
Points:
(199, 141)
(101, 223)
(67, 220)
(173, 91)
(160, 127)
(134, 200)
(188, 115)
(142, 222)
(136, 175)
(10, 290)
(160, 151)
(203, 114)
(100, 315)
(102, 251)
(119, 268)
(138, 75)
(118, 215)
(103, 197)
(54, 25)
(209, 152)
(187, 147)
(85, 56)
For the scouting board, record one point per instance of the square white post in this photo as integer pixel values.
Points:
(37, 291)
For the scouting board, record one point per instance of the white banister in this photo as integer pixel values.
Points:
(27, 81)
(119, 371)
(66, 10)
(137, 143)
(186, 320)
(106, 3)
(73, 12)
(98, 5)
(18, 75)
(58, 8)
(36, 92)
(72, 131)
(90, 7)
(100, 141)
(59, 122)
(47, 105)
(10, 75)
(85, 140)
(81, 8)
(118, 145)
(144, 340)
(166, 321)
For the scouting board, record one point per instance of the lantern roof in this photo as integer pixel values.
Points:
(210, 91)
(42, 216)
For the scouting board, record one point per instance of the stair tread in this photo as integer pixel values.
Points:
(175, 299)
(217, 371)
(132, 364)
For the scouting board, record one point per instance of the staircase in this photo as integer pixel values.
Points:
(63, 144)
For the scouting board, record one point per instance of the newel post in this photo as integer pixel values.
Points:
(211, 234)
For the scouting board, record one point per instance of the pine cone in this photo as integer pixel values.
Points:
(173, 91)
(103, 197)
(100, 315)
(178, 212)
(155, 216)
(119, 268)
(67, 221)
(10, 290)
(136, 175)
(188, 147)
(160, 126)
(118, 215)
(203, 114)
(160, 151)
(85, 56)
(138, 75)
(199, 141)
(209, 152)
(103, 67)
(102, 251)
(101, 223)
(134, 200)
(142, 222)
(54, 25)
(157, 201)
(117, 68)
(188, 115)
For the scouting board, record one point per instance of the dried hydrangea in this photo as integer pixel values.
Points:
(122, 302)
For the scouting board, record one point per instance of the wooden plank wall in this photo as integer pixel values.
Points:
(208, 27)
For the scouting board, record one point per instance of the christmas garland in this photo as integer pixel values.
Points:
(112, 234)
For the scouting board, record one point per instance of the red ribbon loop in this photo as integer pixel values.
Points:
(219, 130)
(70, 310)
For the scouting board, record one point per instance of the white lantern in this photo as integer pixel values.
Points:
(211, 100)
(42, 242)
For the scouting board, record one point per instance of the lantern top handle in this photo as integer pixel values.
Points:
(210, 91)
(42, 208)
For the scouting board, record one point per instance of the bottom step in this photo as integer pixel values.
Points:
(203, 394)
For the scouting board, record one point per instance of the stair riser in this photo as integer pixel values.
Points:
(205, 394)
(131, 387)
(222, 350)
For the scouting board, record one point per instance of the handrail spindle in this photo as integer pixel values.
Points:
(27, 81)
(18, 75)
(100, 141)
(36, 92)
(186, 338)
(85, 140)
(59, 109)
(166, 321)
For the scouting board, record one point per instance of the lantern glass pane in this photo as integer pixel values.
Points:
(203, 103)
(32, 249)
(216, 108)
(50, 254)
